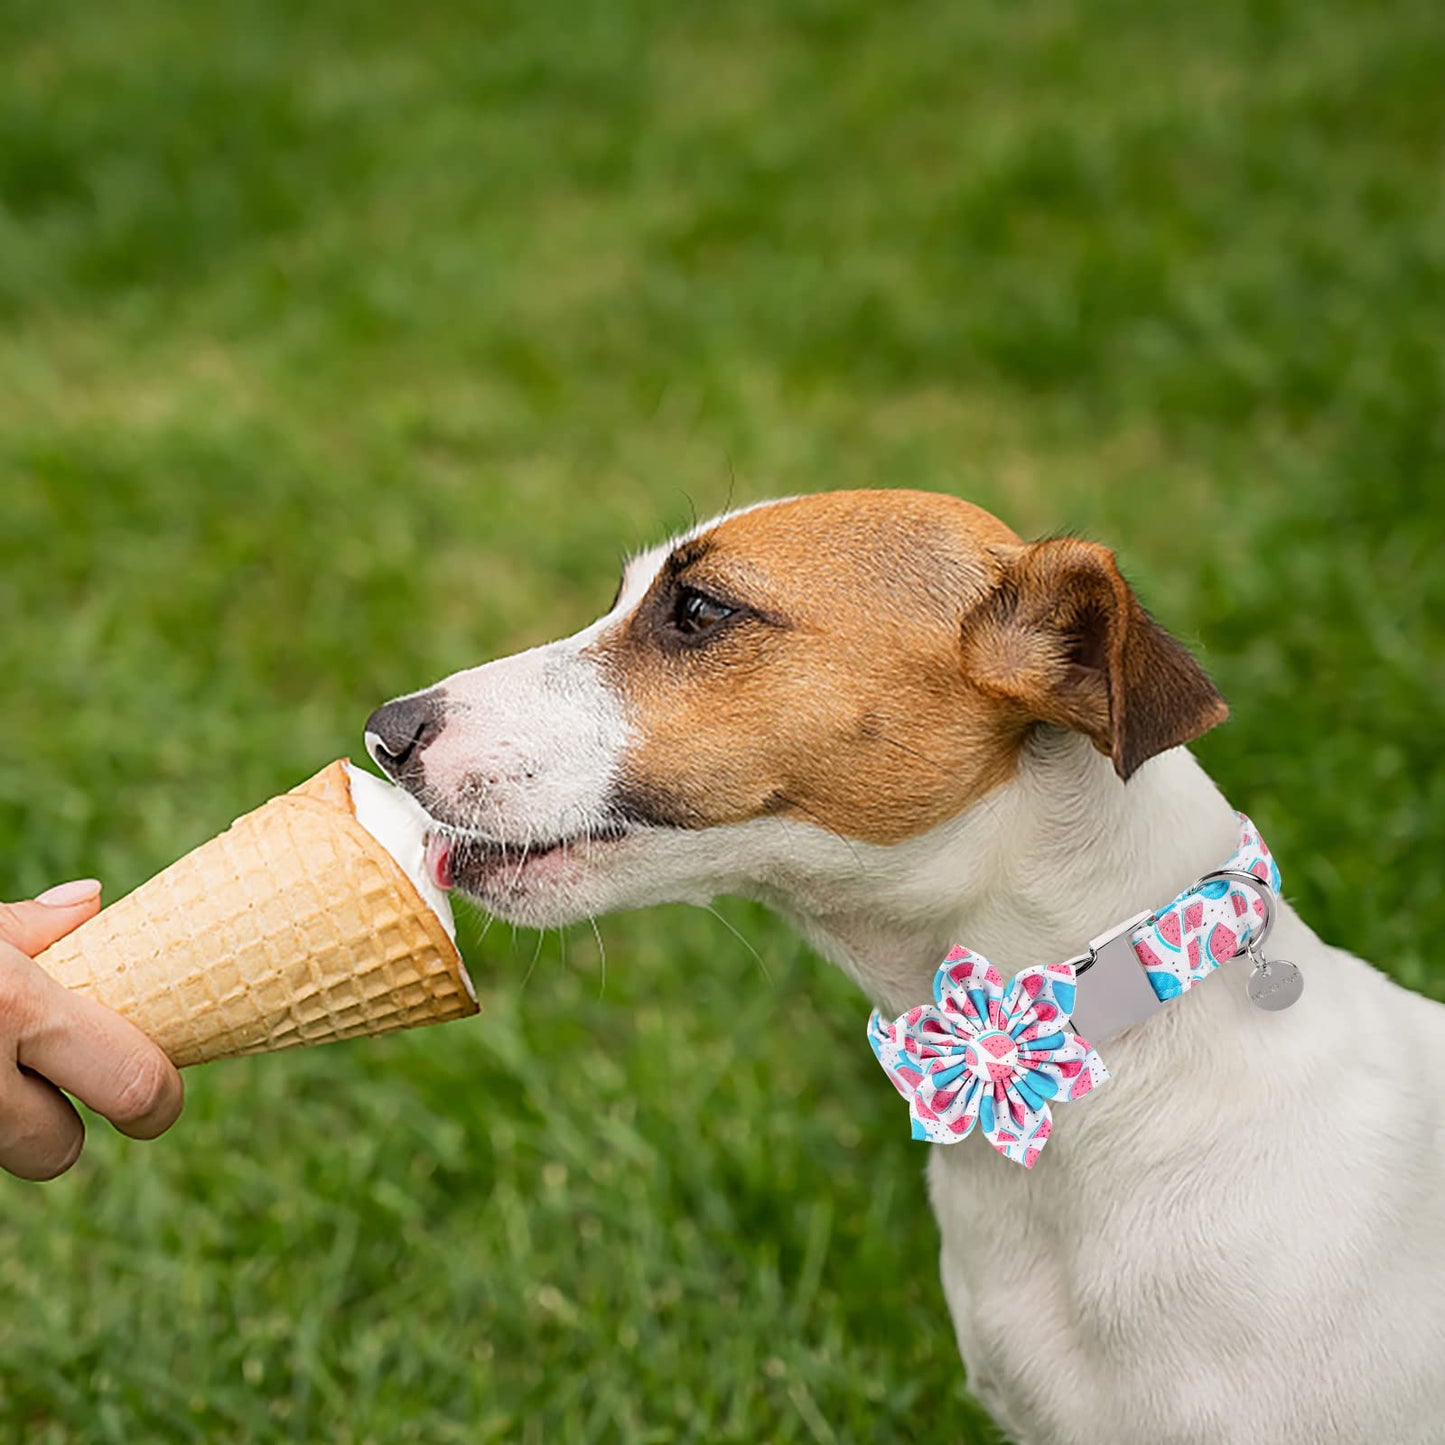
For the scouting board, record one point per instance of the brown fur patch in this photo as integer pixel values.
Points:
(836, 695)
(889, 653)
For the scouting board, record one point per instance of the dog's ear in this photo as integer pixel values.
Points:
(1064, 636)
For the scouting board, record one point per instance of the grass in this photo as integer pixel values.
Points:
(342, 346)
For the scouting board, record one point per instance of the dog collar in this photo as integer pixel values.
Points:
(997, 1057)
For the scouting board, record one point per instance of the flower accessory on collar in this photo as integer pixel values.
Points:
(978, 1055)
(984, 1055)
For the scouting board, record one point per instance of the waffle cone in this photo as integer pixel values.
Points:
(295, 926)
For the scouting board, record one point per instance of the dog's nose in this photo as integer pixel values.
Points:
(398, 732)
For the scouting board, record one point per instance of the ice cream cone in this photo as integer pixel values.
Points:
(295, 926)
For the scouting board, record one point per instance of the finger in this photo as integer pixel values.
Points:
(82, 1047)
(40, 1132)
(32, 927)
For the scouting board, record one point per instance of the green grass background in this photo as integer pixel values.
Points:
(344, 345)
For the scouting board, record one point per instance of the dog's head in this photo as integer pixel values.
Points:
(859, 664)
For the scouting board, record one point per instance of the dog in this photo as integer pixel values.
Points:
(889, 718)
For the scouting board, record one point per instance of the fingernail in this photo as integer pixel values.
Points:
(67, 895)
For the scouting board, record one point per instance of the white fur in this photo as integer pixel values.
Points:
(530, 747)
(1238, 1239)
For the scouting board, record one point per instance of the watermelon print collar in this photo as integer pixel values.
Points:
(997, 1057)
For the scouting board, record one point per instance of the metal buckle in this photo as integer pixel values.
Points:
(1250, 945)
(1274, 984)
(1119, 991)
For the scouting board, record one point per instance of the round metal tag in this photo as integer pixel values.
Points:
(1274, 984)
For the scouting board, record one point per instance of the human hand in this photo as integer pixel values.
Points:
(52, 1039)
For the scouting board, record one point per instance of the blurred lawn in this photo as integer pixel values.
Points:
(343, 345)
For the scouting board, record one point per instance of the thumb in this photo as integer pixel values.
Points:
(32, 927)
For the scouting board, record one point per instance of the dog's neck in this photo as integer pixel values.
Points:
(1027, 876)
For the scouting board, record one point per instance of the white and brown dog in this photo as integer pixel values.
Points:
(887, 717)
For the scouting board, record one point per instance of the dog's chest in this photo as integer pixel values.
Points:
(1102, 1325)
(1078, 1315)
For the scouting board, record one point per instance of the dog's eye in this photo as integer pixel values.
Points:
(695, 612)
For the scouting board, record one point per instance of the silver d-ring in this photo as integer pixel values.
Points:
(1260, 888)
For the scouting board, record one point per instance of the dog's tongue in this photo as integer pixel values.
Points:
(438, 860)
(399, 823)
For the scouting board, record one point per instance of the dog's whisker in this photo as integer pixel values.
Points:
(762, 962)
(913, 753)
(601, 954)
(532, 966)
(827, 827)
(522, 863)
